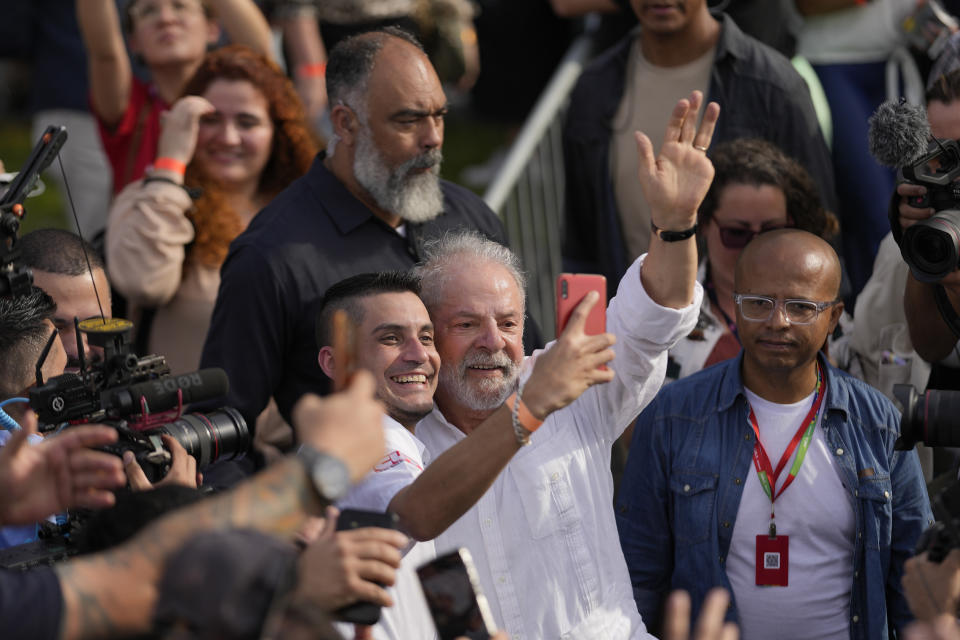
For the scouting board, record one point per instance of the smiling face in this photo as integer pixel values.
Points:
(171, 32)
(479, 335)
(784, 265)
(741, 207)
(395, 342)
(234, 143)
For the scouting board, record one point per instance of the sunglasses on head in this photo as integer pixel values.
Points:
(739, 237)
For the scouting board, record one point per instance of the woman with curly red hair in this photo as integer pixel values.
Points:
(235, 139)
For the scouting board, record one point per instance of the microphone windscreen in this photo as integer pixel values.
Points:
(899, 133)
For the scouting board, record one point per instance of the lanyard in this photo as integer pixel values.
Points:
(800, 444)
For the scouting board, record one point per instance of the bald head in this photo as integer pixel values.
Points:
(789, 254)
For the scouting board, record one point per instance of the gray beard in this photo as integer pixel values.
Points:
(414, 197)
(484, 395)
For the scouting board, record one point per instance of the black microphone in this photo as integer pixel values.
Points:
(161, 394)
(899, 133)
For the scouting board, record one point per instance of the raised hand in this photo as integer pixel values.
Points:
(676, 181)
(179, 127)
(563, 372)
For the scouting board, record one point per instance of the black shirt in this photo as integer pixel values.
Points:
(314, 234)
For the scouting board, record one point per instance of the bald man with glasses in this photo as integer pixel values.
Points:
(774, 474)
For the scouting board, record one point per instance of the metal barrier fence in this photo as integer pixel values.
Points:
(527, 192)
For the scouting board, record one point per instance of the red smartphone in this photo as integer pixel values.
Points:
(571, 289)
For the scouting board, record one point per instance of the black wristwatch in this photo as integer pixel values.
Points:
(329, 475)
(673, 236)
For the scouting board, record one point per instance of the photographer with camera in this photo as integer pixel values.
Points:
(930, 333)
(72, 273)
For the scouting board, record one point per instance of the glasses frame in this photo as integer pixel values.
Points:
(819, 306)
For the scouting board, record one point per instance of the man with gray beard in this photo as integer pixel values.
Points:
(368, 204)
(544, 536)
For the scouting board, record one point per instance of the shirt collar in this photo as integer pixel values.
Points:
(731, 387)
(332, 196)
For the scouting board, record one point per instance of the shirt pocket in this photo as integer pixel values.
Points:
(694, 495)
(875, 496)
(546, 494)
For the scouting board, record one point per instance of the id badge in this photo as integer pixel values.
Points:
(773, 560)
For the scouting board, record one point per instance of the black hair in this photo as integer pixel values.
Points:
(352, 59)
(25, 327)
(58, 251)
(345, 294)
(757, 162)
(945, 89)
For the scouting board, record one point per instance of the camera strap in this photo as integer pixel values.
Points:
(947, 312)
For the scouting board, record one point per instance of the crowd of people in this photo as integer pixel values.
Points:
(720, 462)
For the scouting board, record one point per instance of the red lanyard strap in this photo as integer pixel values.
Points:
(801, 439)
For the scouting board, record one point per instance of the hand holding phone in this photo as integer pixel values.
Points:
(366, 613)
(452, 590)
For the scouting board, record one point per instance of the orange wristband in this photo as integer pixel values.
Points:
(526, 419)
(312, 69)
(170, 165)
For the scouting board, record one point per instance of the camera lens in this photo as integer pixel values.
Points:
(218, 435)
(932, 247)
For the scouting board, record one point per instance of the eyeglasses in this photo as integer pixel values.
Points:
(762, 308)
(739, 237)
(151, 9)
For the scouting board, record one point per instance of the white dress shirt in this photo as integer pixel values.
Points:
(544, 536)
(404, 460)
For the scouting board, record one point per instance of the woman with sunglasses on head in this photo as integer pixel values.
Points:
(756, 188)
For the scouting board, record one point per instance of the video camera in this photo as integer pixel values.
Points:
(930, 418)
(141, 400)
(932, 247)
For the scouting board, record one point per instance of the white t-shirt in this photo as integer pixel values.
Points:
(405, 458)
(816, 512)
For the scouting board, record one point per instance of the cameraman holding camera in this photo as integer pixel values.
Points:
(930, 334)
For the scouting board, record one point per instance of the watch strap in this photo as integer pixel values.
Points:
(673, 236)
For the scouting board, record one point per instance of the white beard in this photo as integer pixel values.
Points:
(484, 395)
(415, 197)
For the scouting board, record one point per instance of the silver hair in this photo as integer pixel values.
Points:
(451, 248)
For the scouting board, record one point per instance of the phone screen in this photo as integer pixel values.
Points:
(452, 591)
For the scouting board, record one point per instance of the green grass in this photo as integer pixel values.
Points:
(47, 209)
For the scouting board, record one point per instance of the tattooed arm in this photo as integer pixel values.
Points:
(114, 593)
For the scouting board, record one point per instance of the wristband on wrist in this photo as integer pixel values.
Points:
(193, 193)
(312, 69)
(673, 236)
(524, 422)
(170, 164)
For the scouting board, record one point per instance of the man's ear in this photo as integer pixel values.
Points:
(326, 361)
(345, 123)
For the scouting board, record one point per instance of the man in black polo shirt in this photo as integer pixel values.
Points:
(366, 205)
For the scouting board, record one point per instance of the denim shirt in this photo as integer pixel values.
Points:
(691, 452)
